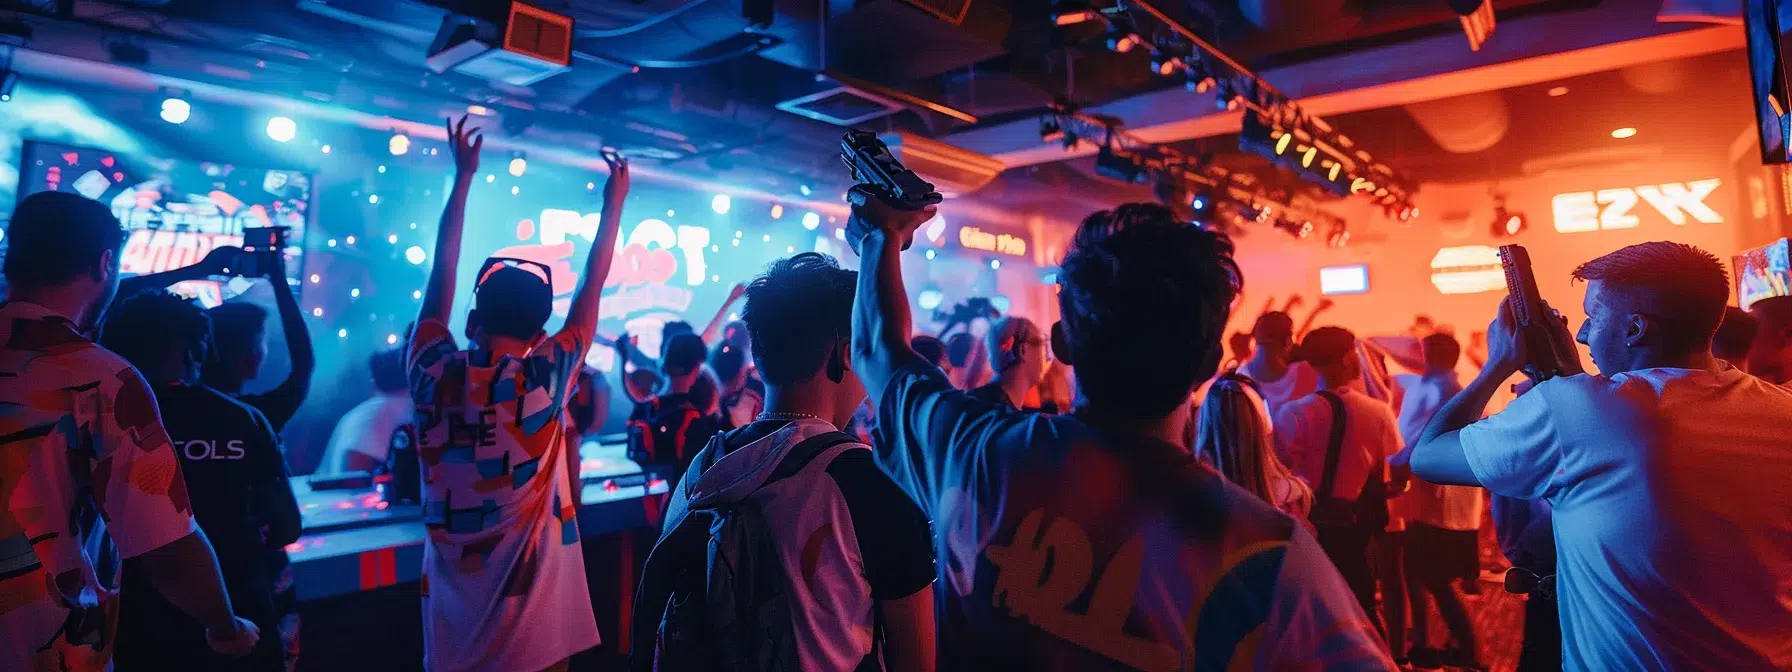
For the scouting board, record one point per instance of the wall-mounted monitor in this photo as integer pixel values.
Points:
(1344, 279)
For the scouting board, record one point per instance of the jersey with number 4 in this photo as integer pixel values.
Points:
(1063, 548)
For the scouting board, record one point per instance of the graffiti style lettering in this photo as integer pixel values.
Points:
(1610, 209)
(1040, 574)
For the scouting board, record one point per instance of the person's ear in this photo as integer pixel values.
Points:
(1061, 344)
(108, 267)
(1637, 330)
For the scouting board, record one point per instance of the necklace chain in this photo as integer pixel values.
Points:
(768, 415)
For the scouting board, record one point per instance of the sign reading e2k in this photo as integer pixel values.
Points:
(1608, 209)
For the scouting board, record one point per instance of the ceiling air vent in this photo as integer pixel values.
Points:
(950, 11)
(841, 105)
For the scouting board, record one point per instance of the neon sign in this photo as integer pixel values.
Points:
(978, 239)
(1609, 209)
(645, 254)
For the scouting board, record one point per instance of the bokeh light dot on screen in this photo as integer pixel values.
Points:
(314, 278)
(354, 293)
(282, 129)
(765, 238)
(514, 190)
(722, 203)
(930, 299)
(715, 278)
(331, 242)
(317, 312)
(995, 264)
(715, 248)
(737, 233)
(350, 240)
(391, 339)
(382, 170)
(839, 234)
(373, 199)
(930, 255)
(415, 255)
(736, 242)
(490, 178)
(790, 249)
(671, 213)
(590, 186)
(416, 294)
(325, 148)
(414, 224)
(811, 221)
(392, 238)
(342, 333)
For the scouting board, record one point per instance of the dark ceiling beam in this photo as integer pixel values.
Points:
(1529, 50)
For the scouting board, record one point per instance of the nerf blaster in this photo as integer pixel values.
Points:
(1549, 356)
(874, 167)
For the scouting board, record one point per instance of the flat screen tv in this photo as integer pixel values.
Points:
(177, 210)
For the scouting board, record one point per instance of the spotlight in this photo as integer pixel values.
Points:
(1121, 40)
(1283, 141)
(1113, 165)
(811, 221)
(399, 144)
(1199, 82)
(518, 164)
(721, 204)
(1165, 64)
(1506, 223)
(415, 255)
(176, 110)
(1306, 160)
(8, 80)
(282, 129)
(930, 298)
(1336, 168)
(1049, 129)
(1225, 99)
(804, 189)
(1072, 12)
(1622, 133)
(1199, 203)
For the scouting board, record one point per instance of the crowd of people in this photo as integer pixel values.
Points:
(845, 494)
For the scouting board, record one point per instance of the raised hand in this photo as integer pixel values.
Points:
(616, 188)
(870, 212)
(235, 642)
(464, 144)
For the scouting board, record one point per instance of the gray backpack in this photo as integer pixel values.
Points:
(712, 596)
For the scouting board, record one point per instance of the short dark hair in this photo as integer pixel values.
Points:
(387, 367)
(512, 302)
(145, 327)
(235, 326)
(56, 237)
(1326, 346)
(959, 348)
(1684, 287)
(1441, 351)
(796, 313)
(1735, 334)
(1144, 300)
(929, 348)
(683, 354)
(1273, 324)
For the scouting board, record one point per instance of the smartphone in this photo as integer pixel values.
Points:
(264, 250)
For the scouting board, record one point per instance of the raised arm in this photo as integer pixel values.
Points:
(1438, 454)
(881, 322)
(216, 262)
(583, 314)
(438, 295)
(715, 323)
(290, 393)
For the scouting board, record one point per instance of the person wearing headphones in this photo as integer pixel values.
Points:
(1017, 356)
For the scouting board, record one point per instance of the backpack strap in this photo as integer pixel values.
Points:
(803, 453)
(1333, 447)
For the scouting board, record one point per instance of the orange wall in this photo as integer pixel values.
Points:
(1399, 256)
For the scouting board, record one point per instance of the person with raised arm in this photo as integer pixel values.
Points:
(90, 470)
(1107, 501)
(503, 576)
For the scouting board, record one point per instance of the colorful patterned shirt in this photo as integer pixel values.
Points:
(503, 575)
(87, 477)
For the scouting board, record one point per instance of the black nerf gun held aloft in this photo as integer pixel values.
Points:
(878, 171)
(1549, 356)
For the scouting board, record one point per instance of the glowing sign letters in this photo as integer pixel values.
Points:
(636, 251)
(978, 239)
(1609, 209)
(1467, 269)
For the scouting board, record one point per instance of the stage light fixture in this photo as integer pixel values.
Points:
(176, 111)
(1199, 82)
(399, 145)
(1199, 203)
(1506, 223)
(1072, 12)
(1121, 40)
(995, 264)
(518, 164)
(1306, 159)
(1335, 170)
(811, 221)
(722, 203)
(1283, 142)
(1622, 133)
(1558, 92)
(1165, 64)
(282, 129)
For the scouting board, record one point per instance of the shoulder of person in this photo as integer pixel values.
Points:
(231, 404)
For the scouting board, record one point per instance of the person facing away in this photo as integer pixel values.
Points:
(1770, 356)
(743, 394)
(236, 480)
(1443, 522)
(1666, 473)
(87, 463)
(1096, 540)
(1016, 350)
(1233, 436)
(853, 552)
(503, 576)
(363, 438)
(240, 330)
(1735, 337)
(1279, 377)
(1305, 435)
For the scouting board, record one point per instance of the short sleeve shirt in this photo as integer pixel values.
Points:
(1065, 548)
(1303, 433)
(84, 464)
(503, 576)
(1671, 497)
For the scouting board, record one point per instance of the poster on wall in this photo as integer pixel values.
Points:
(175, 211)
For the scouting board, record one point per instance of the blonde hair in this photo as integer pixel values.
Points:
(1233, 436)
